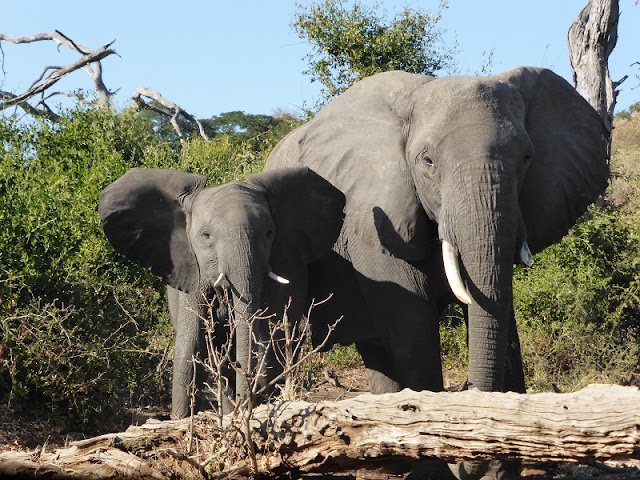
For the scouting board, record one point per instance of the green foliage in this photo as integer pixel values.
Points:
(246, 125)
(82, 331)
(353, 42)
(72, 326)
(239, 126)
(628, 113)
(453, 343)
(578, 306)
(341, 357)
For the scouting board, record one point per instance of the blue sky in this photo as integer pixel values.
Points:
(216, 56)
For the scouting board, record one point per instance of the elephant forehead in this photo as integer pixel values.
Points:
(232, 200)
(470, 97)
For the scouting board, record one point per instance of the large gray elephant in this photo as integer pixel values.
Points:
(448, 182)
(199, 238)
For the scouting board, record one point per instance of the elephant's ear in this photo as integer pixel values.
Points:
(307, 210)
(144, 216)
(569, 168)
(357, 142)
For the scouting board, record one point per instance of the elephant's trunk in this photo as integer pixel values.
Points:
(246, 304)
(482, 227)
(488, 262)
(245, 272)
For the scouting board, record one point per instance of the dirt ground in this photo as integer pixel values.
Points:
(20, 433)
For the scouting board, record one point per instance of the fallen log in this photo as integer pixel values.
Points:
(598, 423)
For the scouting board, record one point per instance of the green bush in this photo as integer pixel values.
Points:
(83, 332)
(578, 306)
(77, 327)
(453, 343)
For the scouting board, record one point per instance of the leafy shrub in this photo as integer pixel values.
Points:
(341, 357)
(578, 306)
(453, 343)
(76, 328)
(351, 41)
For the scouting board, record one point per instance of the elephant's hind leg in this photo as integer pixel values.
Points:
(379, 365)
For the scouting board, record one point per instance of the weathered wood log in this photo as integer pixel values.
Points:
(600, 422)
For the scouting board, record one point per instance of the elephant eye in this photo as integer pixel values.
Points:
(426, 159)
(206, 234)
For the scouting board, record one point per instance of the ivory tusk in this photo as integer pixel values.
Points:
(452, 270)
(278, 278)
(219, 280)
(525, 255)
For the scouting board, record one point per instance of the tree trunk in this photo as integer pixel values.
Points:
(600, 422)
(592, 38)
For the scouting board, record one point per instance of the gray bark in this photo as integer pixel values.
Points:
(168, 108)
(592, 38)
(600, 422)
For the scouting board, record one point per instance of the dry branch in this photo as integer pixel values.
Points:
(89, 62)
(600, 422)
(168, 108)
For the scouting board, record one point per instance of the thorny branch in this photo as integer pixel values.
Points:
(219, 360)
(90, 61)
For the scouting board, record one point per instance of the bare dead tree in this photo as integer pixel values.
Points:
(168, 108)
(591, 40)
(90, 62)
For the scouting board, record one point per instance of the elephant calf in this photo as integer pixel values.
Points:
(198, 238)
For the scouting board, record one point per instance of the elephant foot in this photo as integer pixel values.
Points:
(491, 470)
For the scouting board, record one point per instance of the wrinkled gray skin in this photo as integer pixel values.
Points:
(189, 234)
(484, 164)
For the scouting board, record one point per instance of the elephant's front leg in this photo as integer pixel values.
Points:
(403, 345)
(189, 342)
(514, 373)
